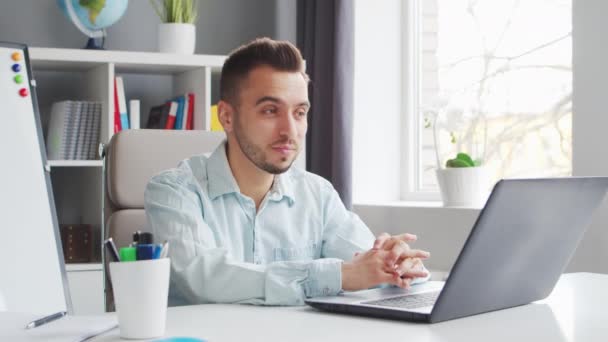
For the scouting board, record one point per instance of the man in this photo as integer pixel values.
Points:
(245, 227)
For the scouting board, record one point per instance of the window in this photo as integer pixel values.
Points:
(498, 72)
(501, 73)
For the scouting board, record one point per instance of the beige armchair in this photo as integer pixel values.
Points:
(131, 158)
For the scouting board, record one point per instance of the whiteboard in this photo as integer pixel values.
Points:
(32, 270)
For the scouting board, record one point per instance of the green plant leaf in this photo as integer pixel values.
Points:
(478, 162)
(456, 163)
(176, 11)
(465, 158)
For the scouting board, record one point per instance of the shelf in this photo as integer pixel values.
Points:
(74, 163)
(124, 61)
(92, 266)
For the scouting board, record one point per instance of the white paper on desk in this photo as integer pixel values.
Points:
(66, 329)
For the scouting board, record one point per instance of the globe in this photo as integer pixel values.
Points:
(92, 17)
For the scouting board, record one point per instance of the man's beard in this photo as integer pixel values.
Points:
(256, 154)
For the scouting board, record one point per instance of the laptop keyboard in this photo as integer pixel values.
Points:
(408, 301)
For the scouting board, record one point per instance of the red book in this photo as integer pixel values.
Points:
(117, 126)
(170, 124)
(190, 122)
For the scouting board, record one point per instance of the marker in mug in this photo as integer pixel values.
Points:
(128, 254)
(165, 251)
(109, 243)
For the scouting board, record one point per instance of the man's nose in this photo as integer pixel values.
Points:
(288, 125)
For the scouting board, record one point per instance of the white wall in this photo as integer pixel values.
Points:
(377, 126)
(590, 120)
(443, 231)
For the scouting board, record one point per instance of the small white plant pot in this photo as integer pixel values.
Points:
(176, 38)
(464, 186)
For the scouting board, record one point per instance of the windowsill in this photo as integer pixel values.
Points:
(431, 205)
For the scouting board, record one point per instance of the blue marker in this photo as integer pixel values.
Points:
(158, 249)
(145, 251)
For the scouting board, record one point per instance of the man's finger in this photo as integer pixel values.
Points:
(407, 237)
(411, 268)
(415, 253)
(380, 240)
(398, 250)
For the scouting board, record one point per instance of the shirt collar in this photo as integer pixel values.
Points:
(221, 180)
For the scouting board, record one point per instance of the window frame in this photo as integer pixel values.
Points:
(411, 137)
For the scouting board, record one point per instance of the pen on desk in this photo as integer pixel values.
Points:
(109, 243)
(45, 320)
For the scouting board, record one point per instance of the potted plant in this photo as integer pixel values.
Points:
(463, 181)
(176, 33)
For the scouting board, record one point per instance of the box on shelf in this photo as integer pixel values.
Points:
(77, 243)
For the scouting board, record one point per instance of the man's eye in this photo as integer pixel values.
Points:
(269, 110)
(301, 114)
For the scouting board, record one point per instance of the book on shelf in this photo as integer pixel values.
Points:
(76, 240)
(122, 103)
(57, 134)
(179, 117)
(157, 117)
(73, 131)
(186, 108)
(117, 126)
(171, 117)
(190, 122)
(134, 113)
(93, 140)
(165, 117)
(216, 126)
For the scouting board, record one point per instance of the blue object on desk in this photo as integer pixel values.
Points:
(180, 339)
(145, 251)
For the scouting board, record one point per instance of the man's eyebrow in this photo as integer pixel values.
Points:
(276, 100)
(267, 98)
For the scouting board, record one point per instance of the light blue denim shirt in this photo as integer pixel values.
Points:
(223, 251)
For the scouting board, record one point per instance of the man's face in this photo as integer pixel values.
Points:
(270, 121)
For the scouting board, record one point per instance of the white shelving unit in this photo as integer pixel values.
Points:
(88, 75)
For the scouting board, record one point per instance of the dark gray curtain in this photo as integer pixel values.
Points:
(326, 39)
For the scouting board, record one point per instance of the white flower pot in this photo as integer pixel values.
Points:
(464, 186)
(176, 38)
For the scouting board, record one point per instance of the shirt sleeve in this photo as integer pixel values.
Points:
(202, 272)
(345, 233)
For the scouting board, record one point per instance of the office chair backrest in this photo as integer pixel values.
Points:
(131, 158)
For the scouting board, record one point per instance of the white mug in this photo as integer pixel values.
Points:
(141, 291)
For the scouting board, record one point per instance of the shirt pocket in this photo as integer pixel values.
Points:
(302, 253)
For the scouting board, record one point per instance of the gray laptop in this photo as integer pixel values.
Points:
(517, 250)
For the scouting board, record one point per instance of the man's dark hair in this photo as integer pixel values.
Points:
(278, 54)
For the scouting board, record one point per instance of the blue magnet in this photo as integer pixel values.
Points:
(16, 67)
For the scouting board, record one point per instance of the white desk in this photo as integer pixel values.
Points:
(575, 311)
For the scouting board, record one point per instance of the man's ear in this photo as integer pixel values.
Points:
(225, 113)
